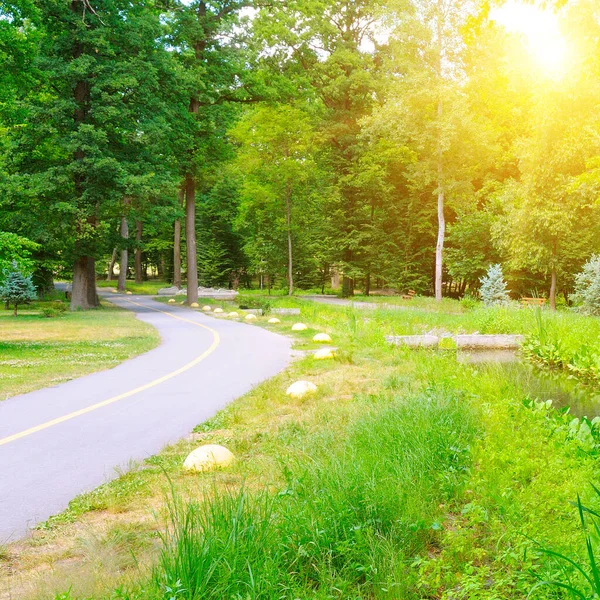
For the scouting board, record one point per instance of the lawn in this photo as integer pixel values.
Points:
(408, 475)
(150, 287)
(38, 351)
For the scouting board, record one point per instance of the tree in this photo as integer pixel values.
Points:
(587, 286)
(330, 52)
(493, 287)
(17, 288)
(95, 129)
(276, 154)
(428, 112)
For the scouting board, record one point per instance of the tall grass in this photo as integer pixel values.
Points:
(353, 512)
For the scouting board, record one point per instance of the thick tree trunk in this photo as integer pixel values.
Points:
(190, 239)
(83, 293)
(139, 228)
(288, 217)
(111, 266)
(177, 244)
(124, 257)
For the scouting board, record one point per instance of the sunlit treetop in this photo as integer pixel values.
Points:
(540, 25)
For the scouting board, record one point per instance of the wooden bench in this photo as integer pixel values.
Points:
(409, 295)
(533, 301)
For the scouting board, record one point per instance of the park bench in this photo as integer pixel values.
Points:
(409, 295)
(533, 301)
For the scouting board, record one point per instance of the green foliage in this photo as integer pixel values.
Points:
(587, 286)
(15, 249)
(579, 579)
(493, 287)
(16, 288)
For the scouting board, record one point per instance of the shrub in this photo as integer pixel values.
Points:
(469, 302)
(587, 286)
(493, 287)
(49, 312)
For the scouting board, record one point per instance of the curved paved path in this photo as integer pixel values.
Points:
(58, 442)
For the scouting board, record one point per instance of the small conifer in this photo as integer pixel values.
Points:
(493, 287)
(16, 288)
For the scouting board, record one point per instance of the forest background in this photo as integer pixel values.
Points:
(397, 144)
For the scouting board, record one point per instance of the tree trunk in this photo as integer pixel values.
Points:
(439, 248)
(83, 293)
(124, 257)
(111, 266)
(368, 284)
(288, 217)
(177, 244)
(84, 273)
(139, 227)
(553, 289)
(190, 239)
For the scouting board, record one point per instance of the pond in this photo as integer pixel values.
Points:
(538, 383)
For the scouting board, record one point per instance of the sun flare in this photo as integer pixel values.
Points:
(541, 29)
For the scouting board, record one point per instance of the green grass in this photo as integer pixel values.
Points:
(149, 287)
(36, 351)
(407, 476)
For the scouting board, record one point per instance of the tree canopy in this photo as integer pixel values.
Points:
(404, 145)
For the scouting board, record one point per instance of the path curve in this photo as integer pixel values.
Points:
(58, 442)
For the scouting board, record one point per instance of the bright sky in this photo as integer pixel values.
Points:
(541, 30)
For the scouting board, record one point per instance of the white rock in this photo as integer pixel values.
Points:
(206, 308)
(194, 305)
(208, 458)
(218, 310)
(299, 389)
(322, 337)
(274, 321)
(323, 354)
(250, 317)
(171, 301)
(129, 293)
(233, 315)
(299, 327)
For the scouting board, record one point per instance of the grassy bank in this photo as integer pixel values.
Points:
(408, 475)
(38, 351)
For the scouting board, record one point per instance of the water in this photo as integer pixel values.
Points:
(537, 383)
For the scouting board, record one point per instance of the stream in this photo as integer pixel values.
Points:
(537, 383)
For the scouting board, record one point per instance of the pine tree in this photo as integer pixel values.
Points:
(493, 287)
(587, 286)
(17, 288)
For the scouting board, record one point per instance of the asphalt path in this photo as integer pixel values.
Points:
(58, 442)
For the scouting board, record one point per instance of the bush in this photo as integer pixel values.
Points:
(493, 287)
(468, 302)
(246, 302)
(587, 286)
(49, 312)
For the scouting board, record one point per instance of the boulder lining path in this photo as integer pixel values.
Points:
(60, 441)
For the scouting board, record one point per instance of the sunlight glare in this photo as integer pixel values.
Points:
(541, 30)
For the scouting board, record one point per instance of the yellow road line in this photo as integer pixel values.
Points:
(142, 388)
